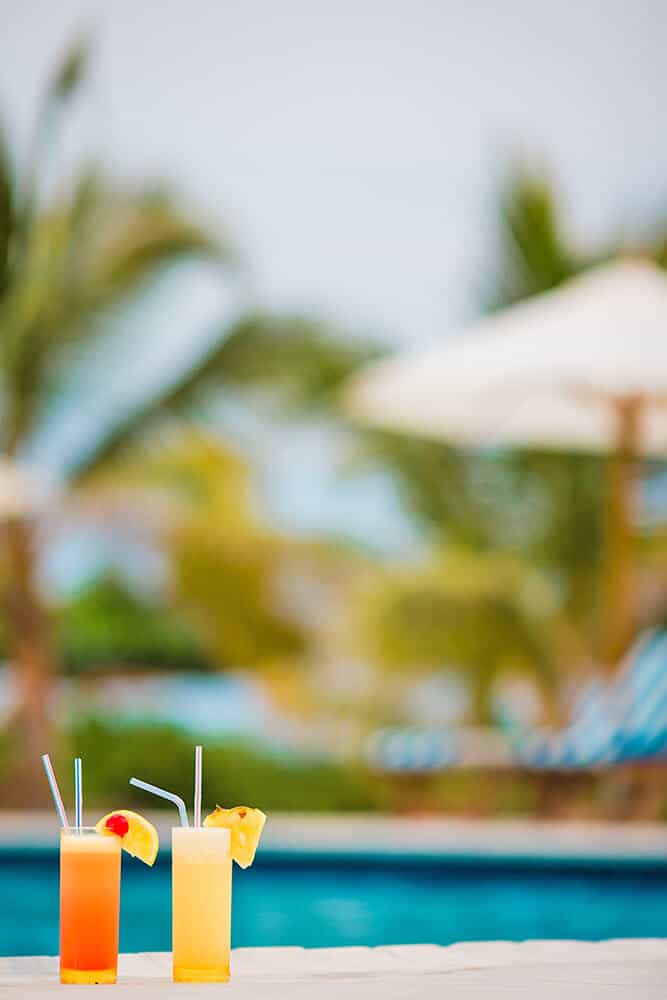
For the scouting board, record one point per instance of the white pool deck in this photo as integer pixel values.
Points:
(546, 970)
(425, 835)
(630, 969)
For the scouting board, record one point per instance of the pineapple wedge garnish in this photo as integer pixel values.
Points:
(245, 826)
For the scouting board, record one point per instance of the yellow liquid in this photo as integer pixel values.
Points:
(201, 904)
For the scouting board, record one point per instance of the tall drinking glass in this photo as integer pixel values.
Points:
(202, 904)
(89, 904)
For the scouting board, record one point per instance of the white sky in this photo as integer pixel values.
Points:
(352, 149)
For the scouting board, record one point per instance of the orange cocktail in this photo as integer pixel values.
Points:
(89, 904)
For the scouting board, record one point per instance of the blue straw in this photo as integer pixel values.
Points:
(78, 793)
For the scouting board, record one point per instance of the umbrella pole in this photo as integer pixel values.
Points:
(619, 590)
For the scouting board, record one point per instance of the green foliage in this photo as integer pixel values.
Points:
(435, 482)
(234, 774)
(536, 255)
(6, 211)
(495, 793)
(225, 586)
(106, 625)
(88, 257)
(70, 73)
(225, 566)
(534, 251)
(8, 755)
(67, 268)
(297, 362)
(294, 358)
(486, 615)
(570, 544)
(545, 507)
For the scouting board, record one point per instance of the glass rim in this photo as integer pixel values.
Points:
(201, 829)
(77, 831)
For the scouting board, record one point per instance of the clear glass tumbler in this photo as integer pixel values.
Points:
(89, 906)
(202, 904)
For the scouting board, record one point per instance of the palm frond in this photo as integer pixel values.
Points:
(118, 244)
(87, 258)
(535, 253)
(70, 73)
(6, 211)
(67, 79)
(436, 485)
(458, 608)
(294, 358)
(301, 361)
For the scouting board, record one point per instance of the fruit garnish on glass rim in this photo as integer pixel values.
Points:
(137, 836)
(245, 826)
(118, 824)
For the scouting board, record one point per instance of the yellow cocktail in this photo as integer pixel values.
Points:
(202, 904)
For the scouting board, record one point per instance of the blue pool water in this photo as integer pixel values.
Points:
(329, 900)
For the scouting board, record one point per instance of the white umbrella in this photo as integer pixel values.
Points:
(582, 367)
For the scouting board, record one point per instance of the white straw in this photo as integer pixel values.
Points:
(55, 791)
(78, 794)
(198, 770)
(170, 796)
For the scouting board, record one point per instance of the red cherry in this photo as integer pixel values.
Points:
(118, 824)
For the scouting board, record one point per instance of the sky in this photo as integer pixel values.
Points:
(352, 149)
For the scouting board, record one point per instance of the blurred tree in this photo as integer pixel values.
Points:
(296, 362)
(546, 507)
(536, 254)
(106, 624)
(68, 268)
(487, 615)
(225, 566)
(543, 508)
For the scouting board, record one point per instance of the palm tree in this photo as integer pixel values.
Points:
(225, 566)
(546, 506)
(535, 255)
(534, 252)
(487, 615)
(68, 268)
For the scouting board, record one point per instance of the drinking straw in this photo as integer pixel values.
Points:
(78, 794)
(170, 796)
(198, 767)
(55, 791)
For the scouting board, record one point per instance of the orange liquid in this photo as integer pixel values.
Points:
(89, 904)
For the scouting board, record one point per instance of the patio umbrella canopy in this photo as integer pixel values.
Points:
(582, 367)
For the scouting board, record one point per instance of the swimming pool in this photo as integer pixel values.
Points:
(324, 899)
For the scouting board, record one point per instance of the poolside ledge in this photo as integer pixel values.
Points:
(620, 970)
(443, 836)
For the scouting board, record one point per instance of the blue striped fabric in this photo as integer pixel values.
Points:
(410, 750)
(642, 704)
(612, 722)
